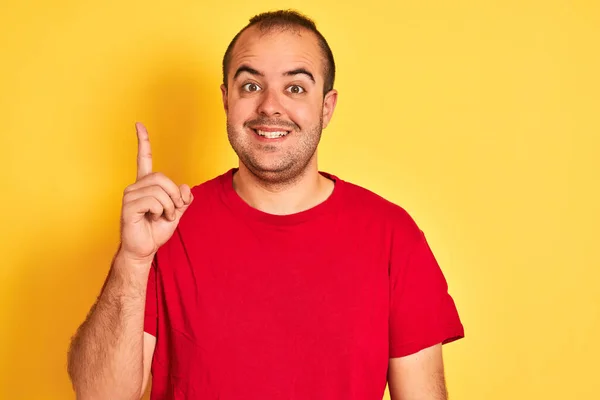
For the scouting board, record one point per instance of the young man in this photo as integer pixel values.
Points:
(274, 280)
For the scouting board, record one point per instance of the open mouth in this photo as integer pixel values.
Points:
(271, 134)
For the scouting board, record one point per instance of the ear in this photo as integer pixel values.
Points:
(224, 96)
(329, 103)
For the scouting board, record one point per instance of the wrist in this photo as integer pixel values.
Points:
(131, 269)
(123, 258)
(127, 281)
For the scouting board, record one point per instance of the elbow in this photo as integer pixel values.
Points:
(94, 380)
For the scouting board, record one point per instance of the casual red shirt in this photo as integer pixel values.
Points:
(249, 305)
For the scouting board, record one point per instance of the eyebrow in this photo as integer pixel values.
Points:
(252, 71)
(299, 71)
(245, 68)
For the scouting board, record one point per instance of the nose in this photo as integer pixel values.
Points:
(269, 104)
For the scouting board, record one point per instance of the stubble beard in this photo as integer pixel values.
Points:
(289, 166)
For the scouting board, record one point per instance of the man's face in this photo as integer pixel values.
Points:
(274, 102)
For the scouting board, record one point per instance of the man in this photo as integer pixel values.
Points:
(274, 280)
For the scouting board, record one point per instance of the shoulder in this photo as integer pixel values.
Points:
(362, 202)
(212, 184)
(208, 196)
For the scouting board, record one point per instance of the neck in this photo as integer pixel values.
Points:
(282, 198)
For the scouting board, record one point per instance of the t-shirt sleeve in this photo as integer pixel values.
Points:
(422, 312)
(151, 310)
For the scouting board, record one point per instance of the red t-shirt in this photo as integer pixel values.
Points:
(250, 305)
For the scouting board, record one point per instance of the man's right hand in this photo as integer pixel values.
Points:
(152, 207)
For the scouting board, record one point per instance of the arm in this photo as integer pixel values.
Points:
(419, 376)
(110, 355)
(423, 317)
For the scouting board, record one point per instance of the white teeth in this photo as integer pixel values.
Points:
(271, 135)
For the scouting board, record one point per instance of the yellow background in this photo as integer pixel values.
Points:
(481, 118)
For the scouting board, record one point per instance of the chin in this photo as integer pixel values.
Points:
(271, 173)
(278, 173)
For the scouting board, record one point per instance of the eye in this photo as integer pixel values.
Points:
(296, 89)
(250, 87)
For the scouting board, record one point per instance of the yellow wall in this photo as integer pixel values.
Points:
(481, 118)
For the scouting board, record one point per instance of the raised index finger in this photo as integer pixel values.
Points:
(144, 156)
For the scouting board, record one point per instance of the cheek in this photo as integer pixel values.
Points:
(304, 114)
(240, 111)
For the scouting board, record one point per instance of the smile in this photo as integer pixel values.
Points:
(270, 134)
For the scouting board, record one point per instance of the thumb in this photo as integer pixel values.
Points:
(187, 197)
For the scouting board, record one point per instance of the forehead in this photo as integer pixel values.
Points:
(278, 50)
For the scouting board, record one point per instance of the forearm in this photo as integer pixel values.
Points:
(106, 355)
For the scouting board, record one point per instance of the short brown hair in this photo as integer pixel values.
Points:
(286, 19)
